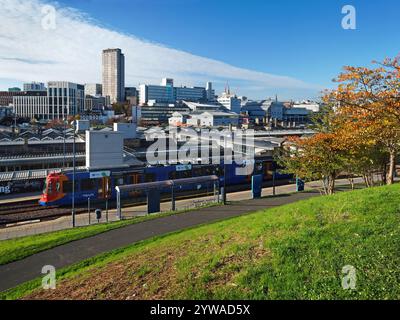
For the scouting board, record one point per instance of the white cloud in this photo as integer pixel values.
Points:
(72, 52)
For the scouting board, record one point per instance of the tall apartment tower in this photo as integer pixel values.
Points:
(114, 75)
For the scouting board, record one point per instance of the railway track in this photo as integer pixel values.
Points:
(30, 211)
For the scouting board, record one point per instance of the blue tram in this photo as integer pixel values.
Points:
(100, 185)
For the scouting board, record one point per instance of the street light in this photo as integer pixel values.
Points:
(64, 161)
(73, 174)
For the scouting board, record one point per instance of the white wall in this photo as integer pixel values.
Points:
(104, 149)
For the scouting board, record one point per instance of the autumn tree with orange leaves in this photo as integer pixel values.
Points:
(358, 134)
(368, 103)
(317, 157)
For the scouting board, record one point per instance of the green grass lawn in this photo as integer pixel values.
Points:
(292, 252)
(19, 248)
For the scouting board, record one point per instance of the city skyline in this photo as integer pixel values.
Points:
(146, 61)
(293, 61)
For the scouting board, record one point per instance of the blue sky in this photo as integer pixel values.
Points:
(301, 39)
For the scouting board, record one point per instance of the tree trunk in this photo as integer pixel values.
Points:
(331, 185)
(366, 181)
(351, 180)
(392, 167)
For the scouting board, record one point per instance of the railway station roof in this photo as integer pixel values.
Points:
(26, 175)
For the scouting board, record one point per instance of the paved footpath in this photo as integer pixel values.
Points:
(18, 272)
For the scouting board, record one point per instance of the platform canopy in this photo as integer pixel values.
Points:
(166, 184)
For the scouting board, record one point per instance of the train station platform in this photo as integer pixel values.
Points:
(12, 198)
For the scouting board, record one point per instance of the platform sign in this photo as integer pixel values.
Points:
(183, 167)
(256, 186)
(100, 174)
(153, 201)
(299, 185)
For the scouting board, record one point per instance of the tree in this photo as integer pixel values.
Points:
(369, 100)
(313, 158)
(123, 108)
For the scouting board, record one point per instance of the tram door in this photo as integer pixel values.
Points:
(135, 178)
(105, 188)
(268, 171)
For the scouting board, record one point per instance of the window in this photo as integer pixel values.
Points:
(149, 177)
(119, 181)
(67, 187)
(172, 175)
(88, 184)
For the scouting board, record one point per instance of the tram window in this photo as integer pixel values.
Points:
(172, 175)
(67, 186)
(88, 184)
(149, 177)
(186, 174)
(119, 181)
(50, 188)
(127, 180)
(198, 172)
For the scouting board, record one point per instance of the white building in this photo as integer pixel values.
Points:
(65, 99)
(213, 119)
(178, 119)
(114, 75)
(230, 101)
(194, 106)
(31, 107)
(309, 105)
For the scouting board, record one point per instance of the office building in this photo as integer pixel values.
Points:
(114, 75)
(196, 94)
(93, 89)
(167, 93)
(230, 101)
(65, 99)
(131, 96)
(34, 86)
(14, 89)
(7, 97)
(62, 99)
(210, 93)
(32, 107)
(159, 94)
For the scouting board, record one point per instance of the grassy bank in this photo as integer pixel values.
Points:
(293, 252)
(19, 248)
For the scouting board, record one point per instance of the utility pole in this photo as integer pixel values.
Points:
(224, 194)
(64, 161)
(74, 171)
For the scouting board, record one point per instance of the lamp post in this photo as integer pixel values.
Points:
(73, 173)
(64, 161)
(224, 194)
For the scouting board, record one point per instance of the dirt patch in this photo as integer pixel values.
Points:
(153, 274)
